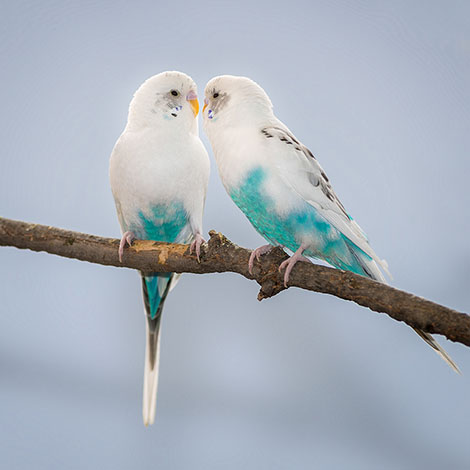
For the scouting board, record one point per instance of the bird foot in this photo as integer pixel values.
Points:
(289, 263)
(261, 250)
(127, 238)
(196, 245)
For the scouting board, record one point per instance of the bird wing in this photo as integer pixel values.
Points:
(300, 170)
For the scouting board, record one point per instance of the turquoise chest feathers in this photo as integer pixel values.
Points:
(303, 224)
(260, 208)
(162, 223)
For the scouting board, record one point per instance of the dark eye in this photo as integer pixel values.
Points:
(174, 93)
(215, 95)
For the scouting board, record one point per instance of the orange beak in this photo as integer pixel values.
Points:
(192, 99)
(205, 104)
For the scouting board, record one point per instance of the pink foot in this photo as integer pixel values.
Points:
(127, 237)
(288, 264)
(261, 250)
(196, 245)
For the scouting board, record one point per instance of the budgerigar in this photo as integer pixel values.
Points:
(280, 186)
(159, 171)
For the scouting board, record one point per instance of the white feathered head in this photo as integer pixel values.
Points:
(169, 98)
(235, 100)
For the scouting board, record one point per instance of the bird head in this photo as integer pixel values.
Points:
(166, 99)
(234, 100)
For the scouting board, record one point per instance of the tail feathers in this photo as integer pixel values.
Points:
(155, 290)
(363, 264)
(370, 269)
(152, 360)
(438, 348)
(174, 281)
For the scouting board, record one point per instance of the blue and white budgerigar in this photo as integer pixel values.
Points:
(280, 186)
(159, 172)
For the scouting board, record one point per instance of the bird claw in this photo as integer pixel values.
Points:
(261, 250)
(196, 246)
(127, 238)
(289, 263)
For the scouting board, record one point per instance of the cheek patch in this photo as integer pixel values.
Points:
(175, 109)
(217, 104)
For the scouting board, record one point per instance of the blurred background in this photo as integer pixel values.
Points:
(379, 91)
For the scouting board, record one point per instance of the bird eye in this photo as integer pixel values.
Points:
(174, 93)
(215, 95)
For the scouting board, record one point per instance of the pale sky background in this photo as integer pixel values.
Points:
(379, 91)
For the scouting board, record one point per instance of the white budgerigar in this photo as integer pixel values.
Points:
(159, 171)
(280, 186)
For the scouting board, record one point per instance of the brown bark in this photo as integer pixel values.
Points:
(221, 255)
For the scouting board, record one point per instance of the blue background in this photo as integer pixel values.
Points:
(379, 91)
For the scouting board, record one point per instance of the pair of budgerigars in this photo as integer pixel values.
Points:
(159, 172)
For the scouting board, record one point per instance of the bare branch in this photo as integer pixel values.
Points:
(221, 255)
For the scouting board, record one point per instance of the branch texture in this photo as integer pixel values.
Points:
(221, 255)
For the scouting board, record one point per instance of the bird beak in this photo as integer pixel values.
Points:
(192, 98)
(206, 102)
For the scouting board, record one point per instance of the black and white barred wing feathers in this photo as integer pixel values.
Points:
(301, 171)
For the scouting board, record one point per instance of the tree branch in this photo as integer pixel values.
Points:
(221, 255)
